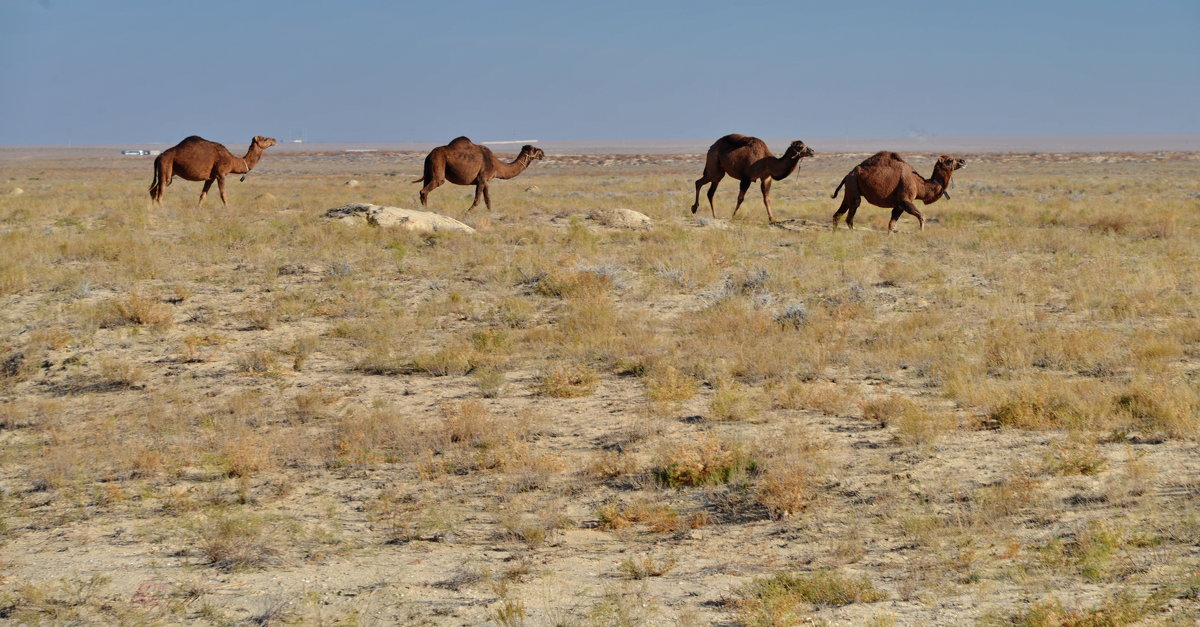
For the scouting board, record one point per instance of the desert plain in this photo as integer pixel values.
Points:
(256, 415)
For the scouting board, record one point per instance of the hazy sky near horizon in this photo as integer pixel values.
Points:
(129, 71)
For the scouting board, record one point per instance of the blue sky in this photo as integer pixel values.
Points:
(91, 72)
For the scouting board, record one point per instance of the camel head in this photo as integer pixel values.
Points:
(263, 142)
(948, 165)
(799, 149)
(533, 153)
(951, 163)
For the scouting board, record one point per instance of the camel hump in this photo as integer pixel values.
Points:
(737, 139)
(460, 142)
(881, 158)
(193, 138)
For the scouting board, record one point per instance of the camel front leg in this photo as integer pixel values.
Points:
(478, 195)
(765, 186)
(911, 209)
(487, 198)
(743, 185)
(204, 192)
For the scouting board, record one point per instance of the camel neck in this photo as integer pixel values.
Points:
(940, 177)
(252, 157)
(936, 185)
(785, 165)
(517, 166)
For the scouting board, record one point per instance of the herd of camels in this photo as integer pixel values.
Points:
(884, 179)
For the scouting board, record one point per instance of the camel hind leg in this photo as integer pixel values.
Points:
(714, 179)
(850, 202)
(712, 191)
(713, 173)
(430, 185)
(433, 174)
(163, 173)
(896, 213)
(699, 183)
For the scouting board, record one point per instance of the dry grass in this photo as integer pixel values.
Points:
(786, 598)
(570, 381)
(996, 418)
(703, 461)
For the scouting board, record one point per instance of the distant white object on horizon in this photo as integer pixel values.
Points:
(514, 141)
(297, 141)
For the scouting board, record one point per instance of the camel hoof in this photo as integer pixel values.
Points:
(694, 210)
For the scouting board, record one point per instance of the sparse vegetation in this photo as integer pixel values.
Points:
(994, 420)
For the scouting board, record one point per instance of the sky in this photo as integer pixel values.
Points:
(126, 71)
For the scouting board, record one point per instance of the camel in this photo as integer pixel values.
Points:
(888, 181)
(747, 159)
(197, 159)
(463, 162)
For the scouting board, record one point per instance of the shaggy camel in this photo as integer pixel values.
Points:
(465, 163)
(747, 159)
(888, 181)
(197, 159)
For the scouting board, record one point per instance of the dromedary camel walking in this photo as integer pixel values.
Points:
(747, 159)
(197, 159)
(888, 181)
(463, 162)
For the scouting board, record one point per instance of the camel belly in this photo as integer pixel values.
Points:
(190, 174)
(460, 176)
(887, 202)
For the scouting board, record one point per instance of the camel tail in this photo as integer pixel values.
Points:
(156, 183)
(427, 173)
(839, 188)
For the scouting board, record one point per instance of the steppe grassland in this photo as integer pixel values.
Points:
(554, 421)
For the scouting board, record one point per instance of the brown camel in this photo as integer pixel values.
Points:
(465, 163)
(747, 159)
(197, 159)
(888, 181)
